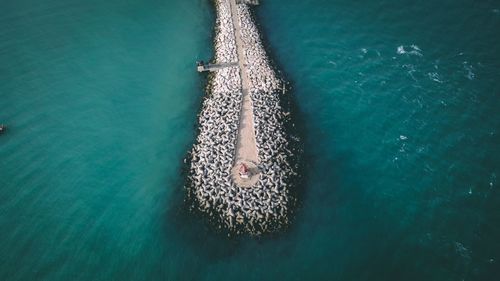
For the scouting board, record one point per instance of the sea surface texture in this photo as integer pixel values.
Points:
(397, 103)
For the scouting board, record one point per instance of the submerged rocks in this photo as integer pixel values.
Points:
(264, 207)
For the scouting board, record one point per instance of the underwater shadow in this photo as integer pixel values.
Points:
(193, 231)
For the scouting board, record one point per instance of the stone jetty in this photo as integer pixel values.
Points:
(241, 168)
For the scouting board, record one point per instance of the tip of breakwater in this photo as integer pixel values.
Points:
(245, 174)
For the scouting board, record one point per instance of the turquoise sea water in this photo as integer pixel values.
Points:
(397, 102)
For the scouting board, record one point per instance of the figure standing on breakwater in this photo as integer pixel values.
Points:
(240, 172)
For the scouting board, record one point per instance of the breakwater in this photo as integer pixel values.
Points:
(241, 166)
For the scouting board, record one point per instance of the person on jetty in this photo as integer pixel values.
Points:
(244, 172)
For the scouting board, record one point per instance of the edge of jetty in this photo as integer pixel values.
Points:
(263, 202)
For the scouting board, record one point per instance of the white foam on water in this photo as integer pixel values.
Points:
(416, 53)
(469, 70)
(462, 250)
(409, 50)
(429, 169)
(415, 47)
(411, 70)
(401, 50)
(364, 50)
(434, 76)
(402, 137)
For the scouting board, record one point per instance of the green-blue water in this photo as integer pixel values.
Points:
(398, 105)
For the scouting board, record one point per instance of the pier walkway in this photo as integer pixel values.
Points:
(201, 67)
(246, 144)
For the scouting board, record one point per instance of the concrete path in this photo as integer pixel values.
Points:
(246, 144)
(246, 147)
